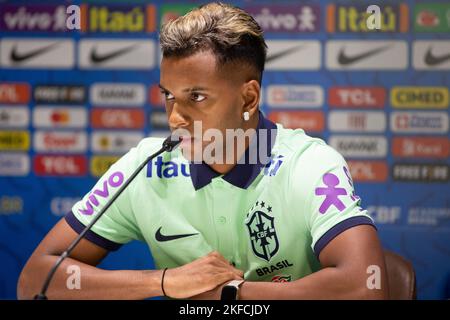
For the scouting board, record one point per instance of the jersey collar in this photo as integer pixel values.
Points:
(243, 174)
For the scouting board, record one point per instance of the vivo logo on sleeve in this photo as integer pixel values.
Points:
(102, 191)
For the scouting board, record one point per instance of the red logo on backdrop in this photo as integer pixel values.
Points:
(48, 165)
(306, 120)
(55, 140)
(155, 96)
(357, 120)
(402, 121)
(357, 97)
(14, 93)
(368, 171)
(118, 118)
(427, 19)
(422, 147)
(60, 117)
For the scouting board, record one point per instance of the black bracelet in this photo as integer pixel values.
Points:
(162, 282)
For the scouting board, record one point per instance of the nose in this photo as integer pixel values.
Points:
(177, 119)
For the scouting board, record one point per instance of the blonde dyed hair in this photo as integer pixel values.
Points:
(229, 32)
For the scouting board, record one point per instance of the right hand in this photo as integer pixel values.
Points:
(198, 276)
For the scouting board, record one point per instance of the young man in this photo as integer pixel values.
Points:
(288, 223)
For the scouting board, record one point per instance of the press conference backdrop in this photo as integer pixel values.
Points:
(73, 101)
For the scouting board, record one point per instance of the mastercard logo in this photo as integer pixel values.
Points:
(60, 117)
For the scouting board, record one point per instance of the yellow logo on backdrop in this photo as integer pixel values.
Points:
(354, 18)
(14, 140)
(420, 97)
(119, 18)
(11, 205)
(101, 164)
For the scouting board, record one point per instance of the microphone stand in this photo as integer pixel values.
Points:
(168, 145)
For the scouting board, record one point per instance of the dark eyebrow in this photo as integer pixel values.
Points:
(193, 89)
(162, 88)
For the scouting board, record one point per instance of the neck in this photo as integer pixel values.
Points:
(226, 167)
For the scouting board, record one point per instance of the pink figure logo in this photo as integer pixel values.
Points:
(331, 193)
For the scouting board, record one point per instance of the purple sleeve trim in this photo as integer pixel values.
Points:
(338, 229)
(76, 225)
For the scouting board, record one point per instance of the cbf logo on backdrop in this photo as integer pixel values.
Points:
(261, 229)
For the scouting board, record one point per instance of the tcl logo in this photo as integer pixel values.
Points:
(357, 97)
(423, 147)
(118, 118)
(368, 171)
(14, 93)
(60, 165)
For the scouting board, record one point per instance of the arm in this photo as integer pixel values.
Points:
(95, 283)
(344, 275)
(198, 276)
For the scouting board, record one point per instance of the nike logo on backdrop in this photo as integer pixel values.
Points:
(281, 54)
(99, 58)
(433, 60)
(23, 56)
(345, 59)
(162, 238)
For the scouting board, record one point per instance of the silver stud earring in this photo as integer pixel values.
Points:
(246, 116)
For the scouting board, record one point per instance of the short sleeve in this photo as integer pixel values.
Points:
(331, 205)
(117, 226)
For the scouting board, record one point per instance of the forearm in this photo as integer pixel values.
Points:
(94, 283)
(328, 283)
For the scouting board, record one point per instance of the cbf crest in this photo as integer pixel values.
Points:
(261, 229)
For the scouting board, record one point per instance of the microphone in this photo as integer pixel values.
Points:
(168, 145)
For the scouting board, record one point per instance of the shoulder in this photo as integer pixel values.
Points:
(305, 151)
(307, 158)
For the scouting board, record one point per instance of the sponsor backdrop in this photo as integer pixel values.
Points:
(73, 101)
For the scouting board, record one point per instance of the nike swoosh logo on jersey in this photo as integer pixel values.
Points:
(433, 60)
(345, 59)
(99, 58)
(162, 238)
(20, 57)
(281, 54)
